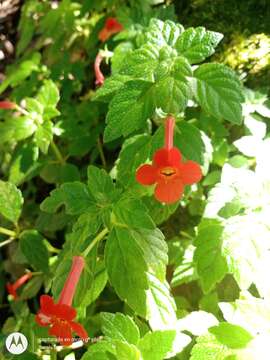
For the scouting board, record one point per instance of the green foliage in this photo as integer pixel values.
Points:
(187, 280)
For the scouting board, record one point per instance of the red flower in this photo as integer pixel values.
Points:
(59, 316)
(11, 288)
(60, 319)
(112, 26)
(99, 76)
(7, 105)
(168, 171)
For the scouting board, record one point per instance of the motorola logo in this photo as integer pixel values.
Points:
(16, 343)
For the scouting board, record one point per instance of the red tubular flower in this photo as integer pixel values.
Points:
(111, 27)
(99, 76)
(12, 288)
(7, 105)
(168, 171)
(60, 316)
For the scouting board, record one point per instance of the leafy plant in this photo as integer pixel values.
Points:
(175, 269)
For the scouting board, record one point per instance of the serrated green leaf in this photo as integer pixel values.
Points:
(196, 44)
(99, 351)
(34, 249)
(129, 109)
(160, 304)
(33, 106)
(16, 129)
(126, 351)
(11, 201)
(162, 344)
(209, 348)
(210, 263)
(110, 87)
(233, 336)
(127, 268)
(171, 95)
(141, 63)
(101, 185)
(219, 92)
(44, 136)
(163, 33)
(133, 213)
(48, 94)
(120, 327)
(75, 196)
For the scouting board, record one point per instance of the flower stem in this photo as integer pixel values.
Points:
(57, 153)
(99, 237)
(101, 152)
(99, 76)
(169, 130)
(7, 232)
(72, 280)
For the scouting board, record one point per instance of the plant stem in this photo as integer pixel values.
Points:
(7, 232)
(6, 242)
(99, 237)
(57, 153)
(101, 153)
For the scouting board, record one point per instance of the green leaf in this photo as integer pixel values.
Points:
(172, 93)
(209, 348)
(133, 213)
(126, 351)
(88, 223)
(210, 263)
(32, 288)
(196, 44)
(60, 173)
(129, 254)
(163, 33)
(16, 129)
(162, 344)
(141, 63)
(75, 196)
(101, 185)
(48, 94)
(34, 249)
(135, 152)
(127, 268)
(92, 282)
(44, 136)
(160, 304)
(21, 71)
(233, 336)
(11, 201)
(219, 92)
(190, 141)
(99, 351)
(129, 109)
(120, 327)
(110, 87)
(197, 322)
(24, 163)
